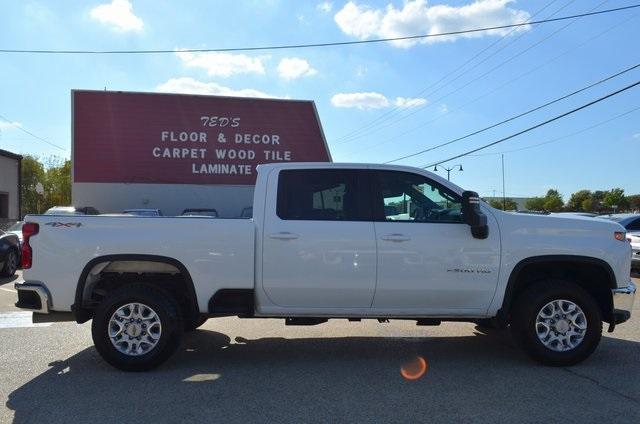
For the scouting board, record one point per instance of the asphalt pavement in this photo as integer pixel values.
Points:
(234, 370)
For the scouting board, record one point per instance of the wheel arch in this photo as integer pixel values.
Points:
(593, 274)
(82, 314)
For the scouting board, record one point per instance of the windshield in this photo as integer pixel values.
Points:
(141, 213)
(15, 227)
(65, 211)
(621, 219)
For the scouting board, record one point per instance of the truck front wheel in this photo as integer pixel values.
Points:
(136, 327)
(557, 322)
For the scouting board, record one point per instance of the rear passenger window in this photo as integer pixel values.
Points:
(321, 195)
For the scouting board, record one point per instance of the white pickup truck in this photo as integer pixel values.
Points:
(348, 241)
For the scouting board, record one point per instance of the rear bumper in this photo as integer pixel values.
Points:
(623, 298)
(33, 297)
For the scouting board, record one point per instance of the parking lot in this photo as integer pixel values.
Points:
(260, 371)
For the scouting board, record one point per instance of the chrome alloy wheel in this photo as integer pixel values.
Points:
(134, 329)
(561, 325)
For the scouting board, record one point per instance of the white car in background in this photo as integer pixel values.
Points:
(634, 238)
(72, 210)
(16, 229)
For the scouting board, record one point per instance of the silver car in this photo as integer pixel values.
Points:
(634, 238)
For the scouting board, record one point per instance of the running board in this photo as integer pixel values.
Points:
(428, 322)
(305, 321)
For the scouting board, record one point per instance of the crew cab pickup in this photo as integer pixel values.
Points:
(331, 241)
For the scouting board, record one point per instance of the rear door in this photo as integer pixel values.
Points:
(319, 248)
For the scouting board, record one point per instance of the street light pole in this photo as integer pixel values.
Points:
(435, 169)
(504, 195)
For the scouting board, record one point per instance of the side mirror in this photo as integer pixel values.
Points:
(473, 216)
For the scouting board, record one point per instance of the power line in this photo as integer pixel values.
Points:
(553, 140)
(13, 124)
(499, 87)
(512, 118)
(541, 124)
(370, 125)
(326, 44)
(468, 83)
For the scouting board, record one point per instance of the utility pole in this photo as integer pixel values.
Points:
(504, 195)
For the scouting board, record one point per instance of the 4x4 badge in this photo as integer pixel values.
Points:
(64, 224)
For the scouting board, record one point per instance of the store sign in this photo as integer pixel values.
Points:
(121, 137)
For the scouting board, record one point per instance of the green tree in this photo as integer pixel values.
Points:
(553, 201)
(634, 202)
(587, 205)
(598, 199)
(535, 204)
(32, 173)
(495, 203)
(615, 198)
(499, 204)
(577, 200)
(58, 182)
(55, 177)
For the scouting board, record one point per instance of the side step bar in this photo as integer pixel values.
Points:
(305, 321)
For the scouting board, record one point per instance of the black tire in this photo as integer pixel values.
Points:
(531, 302)
(193, 324)
(165, 308)
(10, 264)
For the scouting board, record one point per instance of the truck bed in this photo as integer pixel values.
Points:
(216, 252)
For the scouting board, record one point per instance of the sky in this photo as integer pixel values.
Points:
(377, 102)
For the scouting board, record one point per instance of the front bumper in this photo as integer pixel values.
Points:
(33, 297)
(623, 298)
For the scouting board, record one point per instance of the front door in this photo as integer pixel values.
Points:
(319, 248)
(428, 261)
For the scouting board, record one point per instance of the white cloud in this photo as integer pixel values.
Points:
(223, 64)
(325, 6)
(4, 125)
(358, 21)
(373, 100)
(417, 17)
(370, 100)
(118, 14)
(408, 102)
(188, 85)
(292, 67)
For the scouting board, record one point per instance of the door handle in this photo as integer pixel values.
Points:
(283, 235)
(395, 237)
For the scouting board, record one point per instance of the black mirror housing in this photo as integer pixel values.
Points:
(473, 216)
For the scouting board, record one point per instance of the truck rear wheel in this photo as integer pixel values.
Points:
(10, 264)
(136, 327)
(557, 323)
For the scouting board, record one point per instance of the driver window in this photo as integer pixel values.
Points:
(412, 197)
